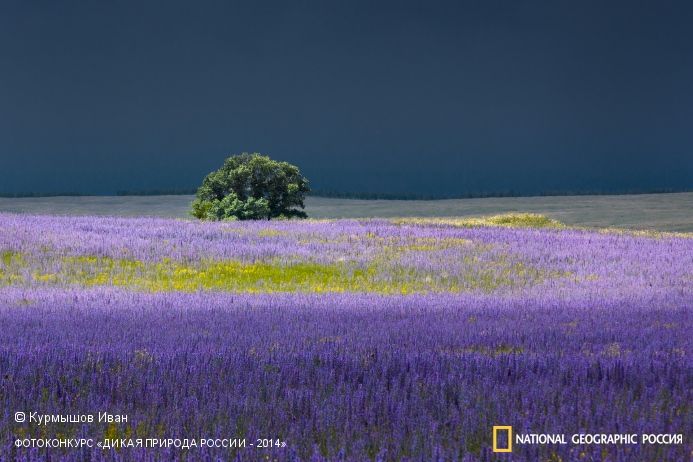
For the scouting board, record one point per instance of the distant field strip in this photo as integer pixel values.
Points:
(530, 220)
(660, 212)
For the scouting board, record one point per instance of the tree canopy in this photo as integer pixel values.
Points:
(251, 187)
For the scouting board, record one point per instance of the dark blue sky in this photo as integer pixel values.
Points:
(435, 96)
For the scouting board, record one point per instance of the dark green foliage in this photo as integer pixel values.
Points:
(251, 187)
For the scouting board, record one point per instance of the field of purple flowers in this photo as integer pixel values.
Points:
(344, 340)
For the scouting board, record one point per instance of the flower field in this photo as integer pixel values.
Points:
(343, 340)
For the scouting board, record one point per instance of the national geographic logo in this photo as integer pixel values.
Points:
(503, 443)
(502, 428)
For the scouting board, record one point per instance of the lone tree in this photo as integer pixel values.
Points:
(251, 187)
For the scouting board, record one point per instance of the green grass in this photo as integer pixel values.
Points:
(472, 266)
(508, 220)
(236, 276)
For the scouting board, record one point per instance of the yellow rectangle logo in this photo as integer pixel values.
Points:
(496, 428)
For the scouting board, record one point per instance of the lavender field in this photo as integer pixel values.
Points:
(343, 340)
